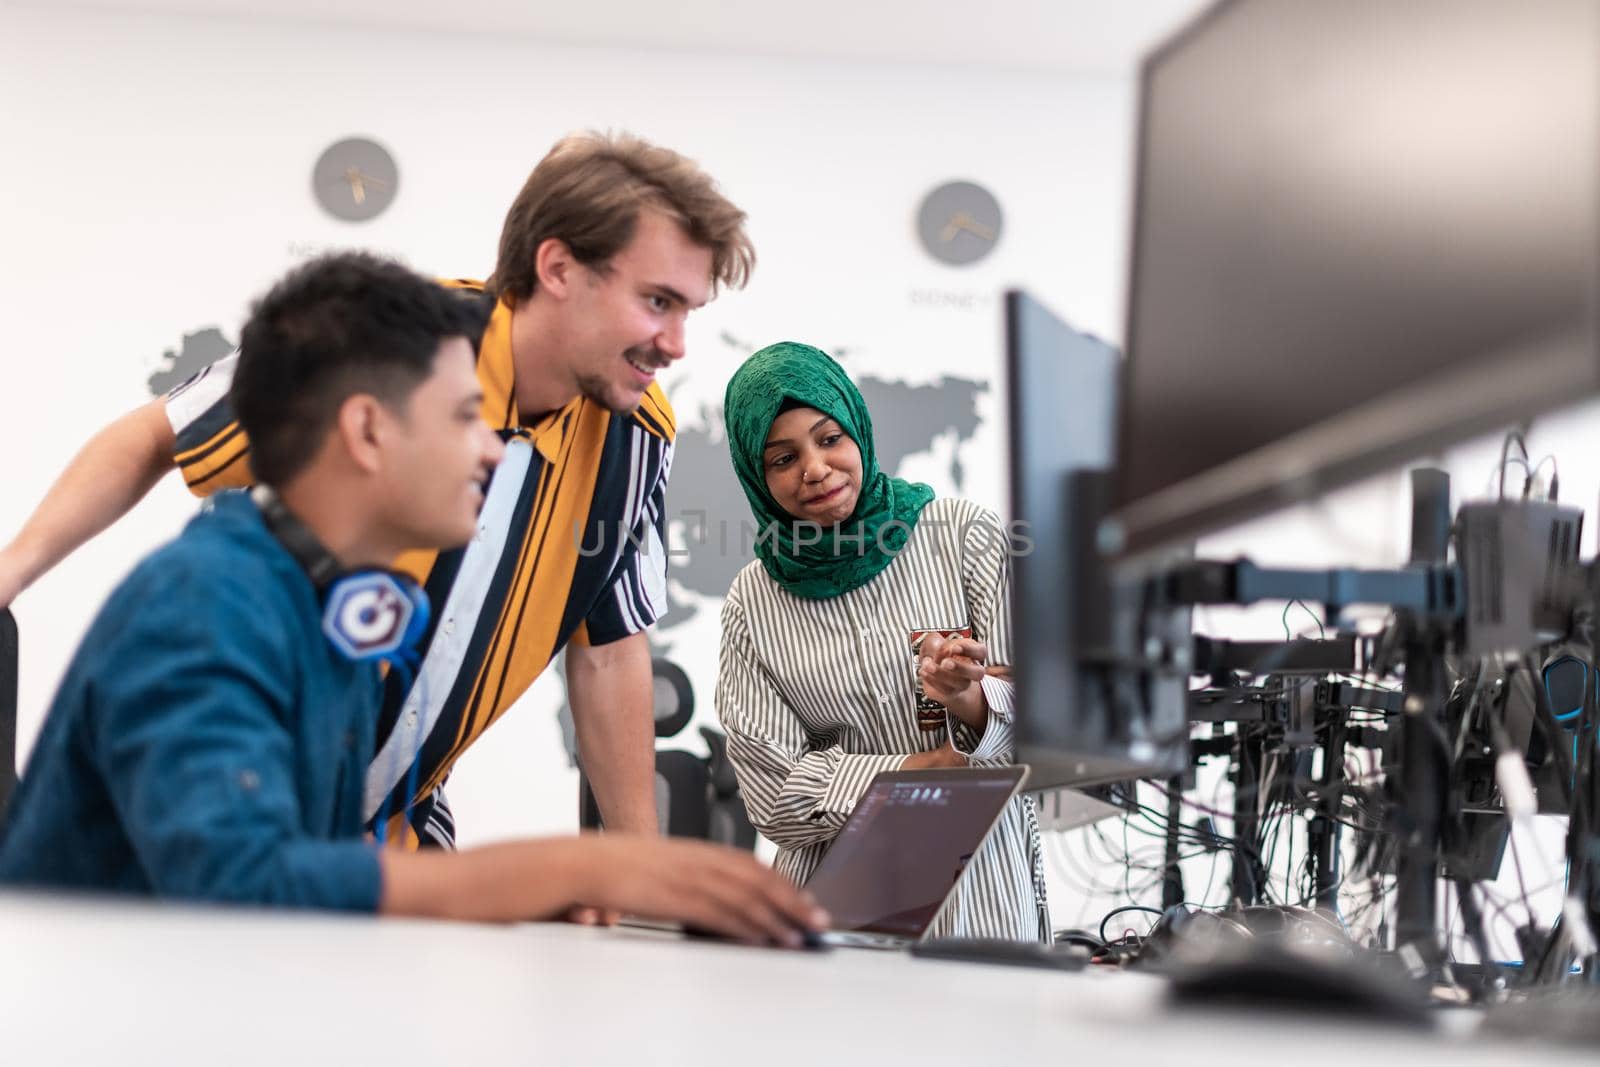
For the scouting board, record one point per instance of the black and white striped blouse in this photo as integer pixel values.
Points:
(818, 696)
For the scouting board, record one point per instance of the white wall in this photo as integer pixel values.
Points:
(158, 178)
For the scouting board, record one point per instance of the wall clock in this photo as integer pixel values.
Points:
(959, 222)
(355, 179)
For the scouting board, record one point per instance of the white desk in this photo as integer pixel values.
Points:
(103, 984)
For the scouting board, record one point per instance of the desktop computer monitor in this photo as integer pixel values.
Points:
(1078, 722)
(1362, 230)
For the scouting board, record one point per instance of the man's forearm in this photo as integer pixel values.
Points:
(609, 688)
(108, 476)
(494, 883)
(704, 885)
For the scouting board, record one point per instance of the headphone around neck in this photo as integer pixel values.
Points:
(370, 613)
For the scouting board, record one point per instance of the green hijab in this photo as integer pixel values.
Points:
(819, 563)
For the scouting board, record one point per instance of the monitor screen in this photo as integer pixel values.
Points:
(1362, 230)
(1075, 725)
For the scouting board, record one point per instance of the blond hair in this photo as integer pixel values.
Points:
(588, 192)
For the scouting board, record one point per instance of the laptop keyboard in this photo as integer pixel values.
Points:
(864, 939)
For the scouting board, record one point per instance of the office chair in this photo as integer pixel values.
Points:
(728, 822)
(696, 797)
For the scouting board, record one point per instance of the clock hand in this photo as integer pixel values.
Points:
(978, 229)
(359, 182)
(963, 221)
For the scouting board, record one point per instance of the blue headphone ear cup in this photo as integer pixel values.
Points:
(1566, 681)
(375, 614)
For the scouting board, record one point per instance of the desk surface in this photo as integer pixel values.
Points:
(97, 983)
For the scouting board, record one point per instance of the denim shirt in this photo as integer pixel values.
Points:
(207, 742)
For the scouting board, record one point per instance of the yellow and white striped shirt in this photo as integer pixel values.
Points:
(571, 547)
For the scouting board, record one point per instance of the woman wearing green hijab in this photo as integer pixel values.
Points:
(871, 633)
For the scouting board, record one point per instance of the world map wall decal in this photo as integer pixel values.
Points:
(707, 512)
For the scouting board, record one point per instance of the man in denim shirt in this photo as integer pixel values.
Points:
(210, 739)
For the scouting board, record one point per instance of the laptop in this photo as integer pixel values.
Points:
(896, 862)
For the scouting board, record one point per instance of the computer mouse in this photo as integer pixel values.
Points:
(1260, 974)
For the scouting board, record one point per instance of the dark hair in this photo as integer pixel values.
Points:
(335, 327)
(588, 192)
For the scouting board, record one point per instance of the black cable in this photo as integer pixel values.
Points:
(1288, 876)
(1272, 852)
(1308, 799)
(1079, 937)
(1472, 918)
(1256, 869)
(1208, 840)
(1505, 456)
(1091, 886)
(1114, 912)
(1553, 733)
(1322, 632)
(1127, 853)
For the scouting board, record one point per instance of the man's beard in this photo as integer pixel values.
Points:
(606, 393)
(609, 394)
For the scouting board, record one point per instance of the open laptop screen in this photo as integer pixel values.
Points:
(905, 845)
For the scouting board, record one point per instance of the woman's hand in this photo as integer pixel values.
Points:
(950, 670)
